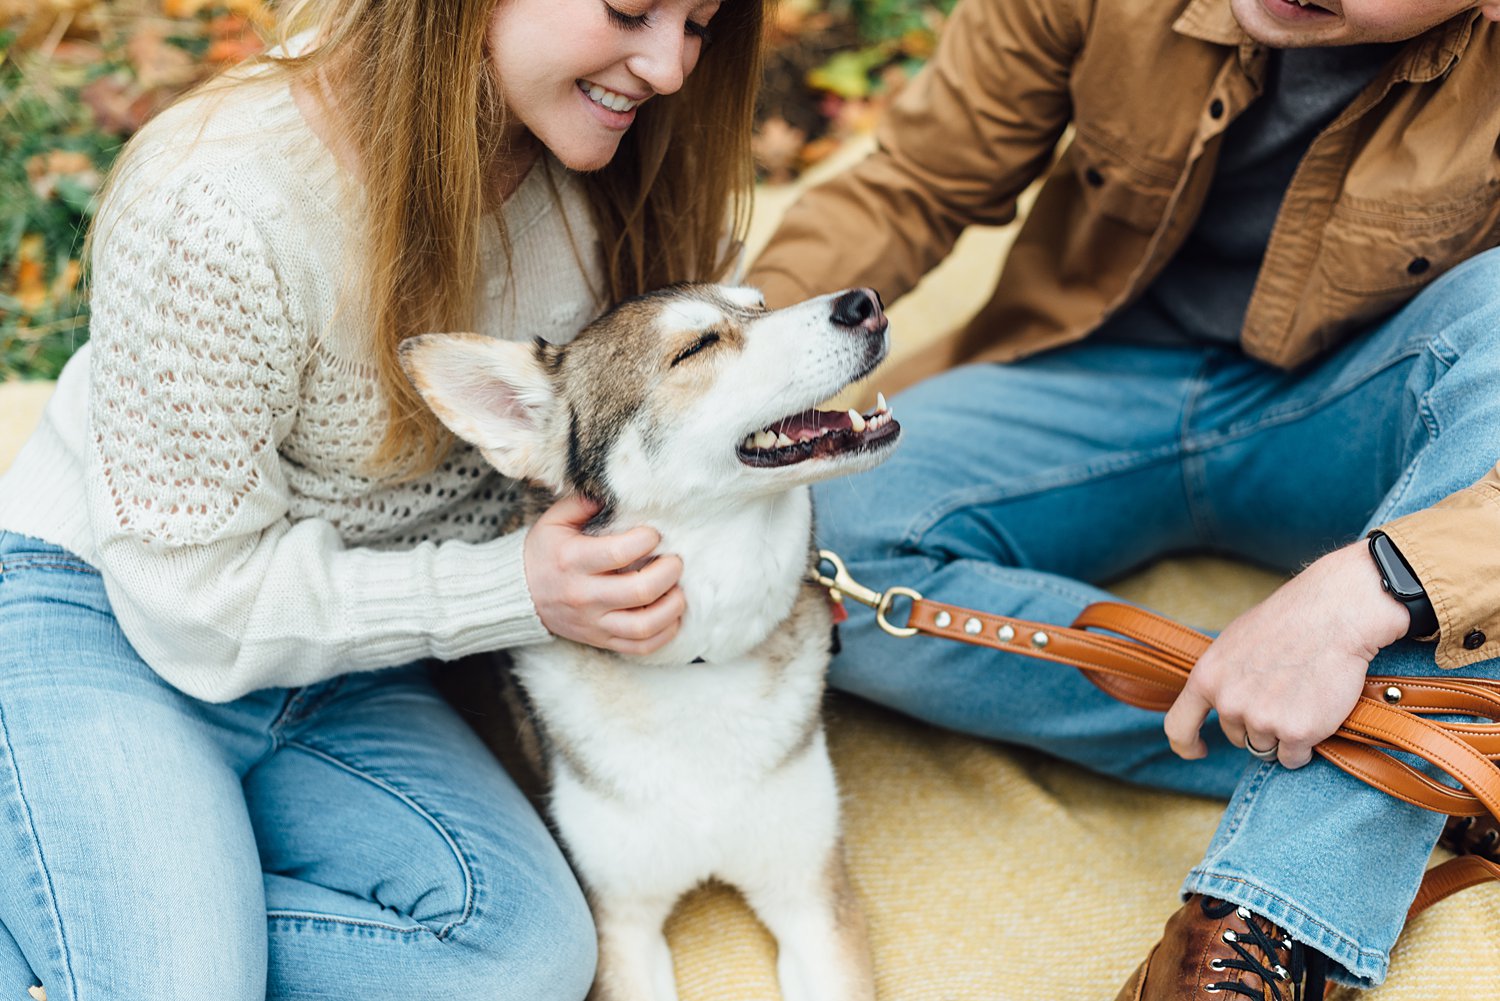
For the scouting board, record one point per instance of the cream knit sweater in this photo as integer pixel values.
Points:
(206, 449)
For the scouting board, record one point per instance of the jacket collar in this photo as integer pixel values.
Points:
(1211, 21)
(1426, 57)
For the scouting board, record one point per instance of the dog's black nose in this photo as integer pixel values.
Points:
(859, 308)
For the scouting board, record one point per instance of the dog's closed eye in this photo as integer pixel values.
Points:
(706, 341)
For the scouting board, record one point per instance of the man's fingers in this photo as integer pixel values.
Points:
(1257, 739)
(1183, 723)
(1293, 755)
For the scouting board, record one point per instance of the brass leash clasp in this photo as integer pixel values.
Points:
(842, 585)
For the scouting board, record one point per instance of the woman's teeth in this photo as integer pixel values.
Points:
(608, 98)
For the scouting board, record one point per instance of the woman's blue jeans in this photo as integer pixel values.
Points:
(352, 840)
(1019, 488)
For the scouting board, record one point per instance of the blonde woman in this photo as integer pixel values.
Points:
(237, 543)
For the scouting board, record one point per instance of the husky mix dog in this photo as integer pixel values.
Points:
(689, 410)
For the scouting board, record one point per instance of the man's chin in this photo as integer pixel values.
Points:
(1261, 24)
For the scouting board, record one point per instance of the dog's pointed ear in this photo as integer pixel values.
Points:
(497, 395)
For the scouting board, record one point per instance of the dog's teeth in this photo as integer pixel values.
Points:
(880, 403)
(748, 443)
(856, 421)
(765, 439)
(782, 441)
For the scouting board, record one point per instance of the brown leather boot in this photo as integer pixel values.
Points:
(1472, 836)
(1212, 949)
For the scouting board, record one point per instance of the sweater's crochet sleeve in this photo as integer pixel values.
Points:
(194, 379)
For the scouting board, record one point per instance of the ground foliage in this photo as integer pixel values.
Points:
(78, 77)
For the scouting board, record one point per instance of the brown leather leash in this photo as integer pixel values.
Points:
(1144, 659)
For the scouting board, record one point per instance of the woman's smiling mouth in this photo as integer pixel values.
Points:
(609, 99)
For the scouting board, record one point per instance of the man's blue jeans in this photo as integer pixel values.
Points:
(350, 840)
(1019, 488)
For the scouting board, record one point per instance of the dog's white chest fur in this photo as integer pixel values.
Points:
(673, 745)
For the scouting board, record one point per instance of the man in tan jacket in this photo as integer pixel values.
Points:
(1252, 311)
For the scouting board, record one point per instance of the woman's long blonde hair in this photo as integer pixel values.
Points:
(673, 204)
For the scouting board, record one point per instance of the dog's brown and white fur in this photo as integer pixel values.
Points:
(688, 410)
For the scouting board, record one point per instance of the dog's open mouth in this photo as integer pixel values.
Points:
(815, 434)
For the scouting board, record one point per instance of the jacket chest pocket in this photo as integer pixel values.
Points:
(1373, 249)
(1118, 186)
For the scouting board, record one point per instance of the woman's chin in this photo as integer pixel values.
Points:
(584, 153)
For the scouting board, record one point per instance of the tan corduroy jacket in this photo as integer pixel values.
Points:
(1402, 186)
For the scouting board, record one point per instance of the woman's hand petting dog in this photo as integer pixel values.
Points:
(1286, 673)
(586, 589)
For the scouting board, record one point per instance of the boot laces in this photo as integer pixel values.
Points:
(1280, 963)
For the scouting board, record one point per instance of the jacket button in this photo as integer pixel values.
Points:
(1474, 640)
(1216, 108)
(1094, 178)
(1418, 265)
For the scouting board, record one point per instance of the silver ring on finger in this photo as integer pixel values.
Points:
(1269, 754)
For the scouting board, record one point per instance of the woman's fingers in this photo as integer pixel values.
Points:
(643, 625)
(635, 588)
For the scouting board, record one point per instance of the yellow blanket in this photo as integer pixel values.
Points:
(994, 874)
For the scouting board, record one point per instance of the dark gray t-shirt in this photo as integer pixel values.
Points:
(1202, 294)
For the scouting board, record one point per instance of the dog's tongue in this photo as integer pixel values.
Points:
(812, 423)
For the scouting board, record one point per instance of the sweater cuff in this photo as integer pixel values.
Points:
(459, 599)
(1452, 549)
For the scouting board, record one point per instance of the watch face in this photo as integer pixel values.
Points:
(1396, 576)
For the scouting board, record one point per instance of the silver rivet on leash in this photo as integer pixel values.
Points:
(942, 620)
(1006, 633)
(973, 626)
(1040, 640)
(1393, 695)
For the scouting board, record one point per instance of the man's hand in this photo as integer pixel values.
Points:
(1286, 673)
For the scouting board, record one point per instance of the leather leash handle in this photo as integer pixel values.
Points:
(1148, 661)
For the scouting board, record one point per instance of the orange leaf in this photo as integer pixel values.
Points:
(44, 170)
(157, 62)
(66, 280)
(254, 11)
(183, 8)
(232, 50)
(31, 283)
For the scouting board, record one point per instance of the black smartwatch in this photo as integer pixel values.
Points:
(1400, 583)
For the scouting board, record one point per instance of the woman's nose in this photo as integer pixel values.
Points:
(666, 55)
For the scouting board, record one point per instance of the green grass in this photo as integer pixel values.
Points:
(43, 312)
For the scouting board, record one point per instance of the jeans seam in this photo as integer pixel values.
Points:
(36, 841)
(390, 787)
(1396, 495)
(69, 566)
(1242, 805)
(1194, 478)
(1292, 412)
(336, 919)
(1117, 464)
